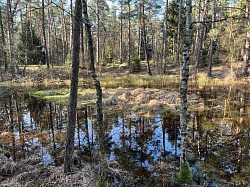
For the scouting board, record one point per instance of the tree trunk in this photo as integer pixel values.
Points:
(3, 43)
(11, 39)
(139, 32)
(184, 83)
(44, 36)
(247, 45)
(82, 63)
(178, 35)
(200, 36)
(212, 42)
(49, 36)
(129, 37)
(121, 32)
(165, 30)
(73, 89)
(97, 35)
(100, 125)
(145, 39)
(71, 26)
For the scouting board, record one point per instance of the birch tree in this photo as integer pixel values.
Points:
(184, 83)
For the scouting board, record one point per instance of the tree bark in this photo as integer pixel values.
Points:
(44, 37)
(12, 63)
(100, 125)
(165, 30)
(178, 35)
(129, 35)
(184, 83)
(73, 89)
(145, 39)
(3, 43)
(200, 36)
(97, 34)
(64, 33)
(121, 32)
(247, 45)
(139, 32)
(212, 42)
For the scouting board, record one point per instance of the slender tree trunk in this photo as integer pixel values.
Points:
(145, 39)
(3, 43)
(71, 26)
(247, 45)
(49, 36)
(97, 35)
(129, 35)
(82, 63)
(184, 83)
(30, 22)
(165, 30)
(178, 35)
(64, 30)
(121, 32)
(44, 36)
(212, 42)
(73, 89)
(10, 35)
(139, 32)
(201, 37)
(100, 125)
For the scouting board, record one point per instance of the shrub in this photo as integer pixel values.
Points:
(136, 65)
(185, 174)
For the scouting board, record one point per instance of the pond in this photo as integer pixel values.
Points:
(145, 145)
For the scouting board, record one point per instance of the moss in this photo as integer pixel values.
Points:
(185, 174)
(102, 182)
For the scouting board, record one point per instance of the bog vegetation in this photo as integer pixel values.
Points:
(124, 93)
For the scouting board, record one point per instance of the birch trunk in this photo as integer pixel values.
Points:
(184, 83)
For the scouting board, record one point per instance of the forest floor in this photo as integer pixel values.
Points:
(121, 90)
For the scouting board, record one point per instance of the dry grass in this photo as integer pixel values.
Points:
(7, 166)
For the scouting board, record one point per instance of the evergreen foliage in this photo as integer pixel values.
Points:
(30, 46)
(185, 174)
(136, 65)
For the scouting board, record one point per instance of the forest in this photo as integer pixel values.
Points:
(124, 93)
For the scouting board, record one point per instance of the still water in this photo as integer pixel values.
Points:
(145, 145)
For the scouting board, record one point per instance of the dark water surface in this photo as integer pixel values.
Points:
(145, 145)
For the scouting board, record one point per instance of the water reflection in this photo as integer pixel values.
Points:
(218, 133)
